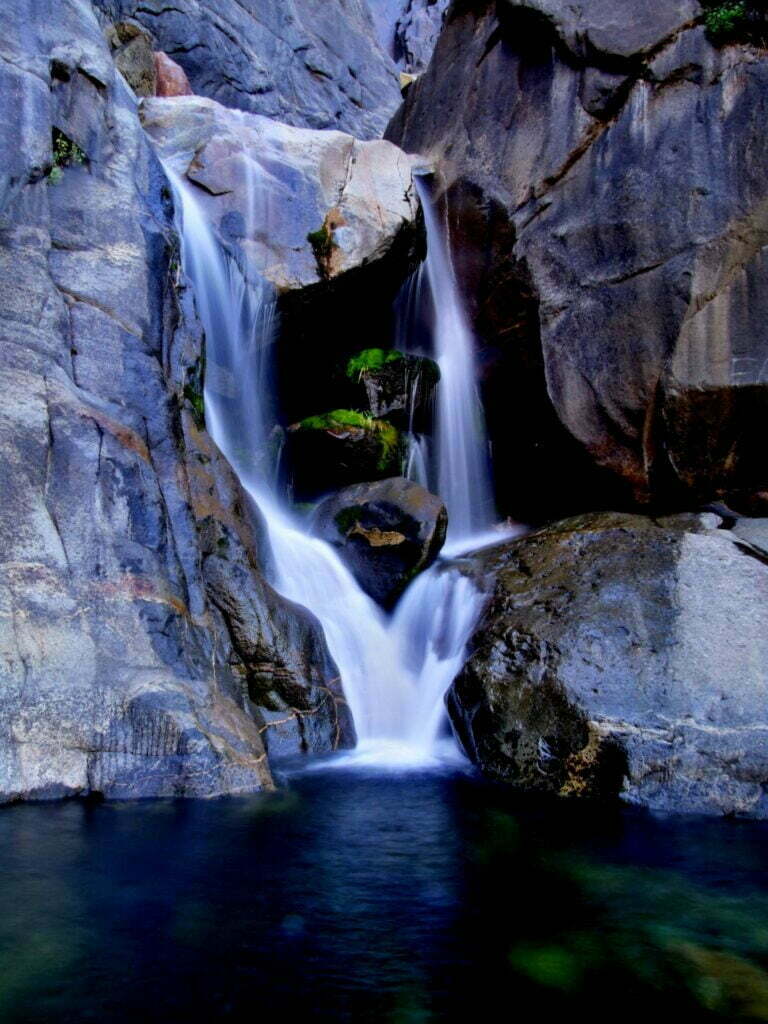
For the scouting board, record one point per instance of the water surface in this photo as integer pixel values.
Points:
(398, 898)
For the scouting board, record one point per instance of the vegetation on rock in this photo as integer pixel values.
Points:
(735, 21)
(388, 436)
(322, 246)
(370, 360)
(66, 153)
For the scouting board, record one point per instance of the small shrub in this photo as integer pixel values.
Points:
(322, 246)
(66, 153)
(736, 21)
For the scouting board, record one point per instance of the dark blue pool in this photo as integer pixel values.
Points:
(351, 897)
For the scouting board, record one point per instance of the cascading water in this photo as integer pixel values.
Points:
(395, 671)
(463, 466)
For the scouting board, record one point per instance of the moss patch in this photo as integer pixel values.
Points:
(370, 360)
(193, 393)
(387, 435)
(322, 246)
(346, 519)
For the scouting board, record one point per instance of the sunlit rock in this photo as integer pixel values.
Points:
(304, 206)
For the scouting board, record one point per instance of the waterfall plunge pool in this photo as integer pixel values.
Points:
(349, 896)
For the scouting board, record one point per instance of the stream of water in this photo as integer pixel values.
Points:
(395, 669)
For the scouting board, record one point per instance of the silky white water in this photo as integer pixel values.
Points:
(395, 670)
(463, 472)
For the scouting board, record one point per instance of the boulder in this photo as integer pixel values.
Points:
(170, 78)
(395, 386)
(340, 448)
(132, 52)
(623, 656)
(311, 64)
(302, 206)
(386, 532)
(610, 242)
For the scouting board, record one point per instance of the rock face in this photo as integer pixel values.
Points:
(125, 544)
(386, 532)
(133, 56)
(305, 206)
(605, 173)
(408, 30)
(622, 655)
(311, 63)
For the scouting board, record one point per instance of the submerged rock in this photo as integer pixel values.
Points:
(385, 532)
(623, 656)
(606, 175)
(339, 448)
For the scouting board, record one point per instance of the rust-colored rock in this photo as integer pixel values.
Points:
(171, 78)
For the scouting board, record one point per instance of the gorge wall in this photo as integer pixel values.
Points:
(605, 175)
(143, 652)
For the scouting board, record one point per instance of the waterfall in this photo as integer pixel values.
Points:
(463, 467)
(394, 670)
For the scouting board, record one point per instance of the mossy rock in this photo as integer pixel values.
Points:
(386, 532)
(394, 385)
(342, 447)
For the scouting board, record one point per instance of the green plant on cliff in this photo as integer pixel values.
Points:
(322, 246)
(370, 360)
(66, 153)
(387, 435)
(734, 21)
(193, 393)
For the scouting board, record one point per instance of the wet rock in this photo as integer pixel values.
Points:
(314, 65)
(119, 672)
(386, 533)
(608, 245)
(305, 206)
(395, 386)
(170, 77)
(340, 448)
(622, 656)
(132, 52)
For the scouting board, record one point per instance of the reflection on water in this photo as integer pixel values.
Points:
(385, 898)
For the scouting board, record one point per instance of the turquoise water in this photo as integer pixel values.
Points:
(352, 897)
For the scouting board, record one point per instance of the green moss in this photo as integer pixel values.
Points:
(338, 418)
(370, 360)
(387, 435)
(322, 246)
(66, 153)
(347, 518)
